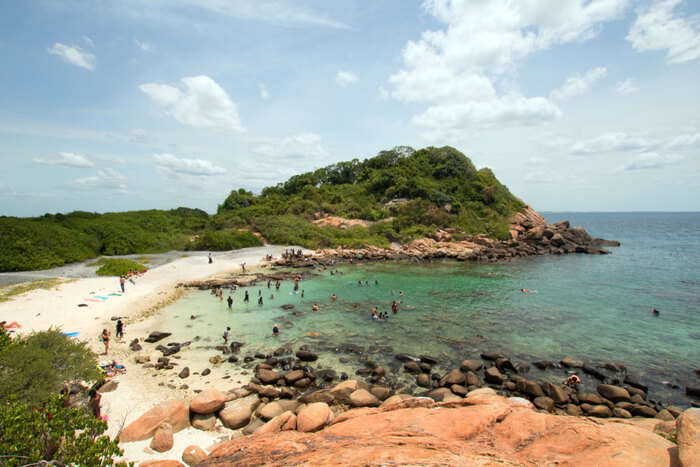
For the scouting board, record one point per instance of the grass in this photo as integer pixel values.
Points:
(12, 291)
(119, 267)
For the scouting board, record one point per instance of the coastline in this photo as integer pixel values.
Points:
(139, 389)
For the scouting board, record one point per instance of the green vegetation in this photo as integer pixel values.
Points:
(7, 293)
(38, 365)
(38, 427)
(412, 192)
(403, 193)
(119, 267)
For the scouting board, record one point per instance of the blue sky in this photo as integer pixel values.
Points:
(587, 105)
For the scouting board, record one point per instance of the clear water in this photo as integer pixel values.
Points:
(597, 308)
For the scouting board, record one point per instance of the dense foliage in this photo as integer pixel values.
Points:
(119, 267)
(404, 193)
(38, 365)
(34, 424)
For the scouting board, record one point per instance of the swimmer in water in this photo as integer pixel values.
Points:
(260, 300)
(246, 299)
(275, 329)
(302, 293)
(394, 307)
(334, 297)
(315, 307)
(400, 294)
(528, 291)
(655, 312)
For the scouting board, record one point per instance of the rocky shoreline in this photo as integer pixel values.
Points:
(290, 392)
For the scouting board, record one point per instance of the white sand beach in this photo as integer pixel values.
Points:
(138, 389)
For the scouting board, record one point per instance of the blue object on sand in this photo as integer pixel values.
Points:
(115, 295)
(70, 334)
(101, 297)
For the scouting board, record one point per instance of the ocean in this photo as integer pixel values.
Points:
(595, 308)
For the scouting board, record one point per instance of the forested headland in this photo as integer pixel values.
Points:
(400, 194)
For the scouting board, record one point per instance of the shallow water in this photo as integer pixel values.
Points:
(596, 308)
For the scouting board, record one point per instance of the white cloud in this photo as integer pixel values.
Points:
(660, 27)
(302, 146)
(145, 46)
(264, 94)
(626, 87)
(578, 84)
(73, 55)
(459, 69)
(107, 179)
(67, 159)
(202, 103)
(684, 140)
(650, 160)
(187, 166)
(272, 11)
(343, 78)
(613, 142)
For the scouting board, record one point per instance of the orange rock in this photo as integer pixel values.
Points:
(163, 438)
(314, 416)
(282, 422)
(174, 412)
(497, 431)
(689, 438)
(208, 401)
(193, 455)
(161, 463)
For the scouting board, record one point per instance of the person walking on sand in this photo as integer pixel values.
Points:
(243, 267)
(122, 282)
(105, 340)
(120, 329)
(225, 335)
(211, 258)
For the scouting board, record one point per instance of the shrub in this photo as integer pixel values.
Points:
(222, 240)
(119, 267)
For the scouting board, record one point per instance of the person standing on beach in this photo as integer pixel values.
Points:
(225, 335)
(120, 329)
(243, 267)
(246, 299)
(105, 340)
(122, 282)
(229, 300)
(211, 258)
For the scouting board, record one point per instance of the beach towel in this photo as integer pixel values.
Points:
(70, 334)
(93, 300)
(115, 295)
(101, 297)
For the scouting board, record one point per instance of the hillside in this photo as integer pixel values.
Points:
(402, 194)
(397, 196)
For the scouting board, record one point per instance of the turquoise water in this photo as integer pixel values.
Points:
(596, 308)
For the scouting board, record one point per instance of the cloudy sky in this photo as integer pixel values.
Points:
(588, 105)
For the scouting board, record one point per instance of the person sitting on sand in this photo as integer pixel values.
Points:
(94, 403)
(275, 329)
(334, 297)
(573, 381)
(105, 340)
(8, 326)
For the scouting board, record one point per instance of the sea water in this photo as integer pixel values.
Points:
(596, 308)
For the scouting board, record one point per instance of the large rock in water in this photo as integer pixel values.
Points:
(484, 430)
(174, 412)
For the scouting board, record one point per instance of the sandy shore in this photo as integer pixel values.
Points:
(140, 389)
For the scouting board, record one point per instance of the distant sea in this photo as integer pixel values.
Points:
(596, 308)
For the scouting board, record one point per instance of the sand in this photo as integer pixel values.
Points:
(139, 389)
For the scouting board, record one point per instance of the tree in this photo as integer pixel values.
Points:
(40, 364)
(51, 432)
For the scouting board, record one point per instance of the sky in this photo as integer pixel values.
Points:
(576, 105)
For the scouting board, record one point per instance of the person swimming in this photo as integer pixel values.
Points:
(246, 299)
(528, 291)
(260, 300)
(374, 314)
(334, 297)
(275, 329)
(394, 307)
(655, 312)
(315, 307)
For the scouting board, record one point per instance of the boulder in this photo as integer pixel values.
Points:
(313, 417)
(570, 362)
(109, 386)
(270, 411)
(184, 373)
(156, 336)
(621, 413)
(423, 380)
(193, 455)
(471, 365)
(600, 411)
(472, 379)
(320, 395)
(204, 422)
(453, 377)
(208, 401)
(594, 372)
(613, 393)
(381, 392)
(642, 411)
(161, 463)
(268, 376)
(591, 398)
(163, 438)
(544, 403)
(306, 356)
(458, 390)
(237, 413)
(412, 367)
(293, 376)
(283, 422)
(574, 410)
(665, 415)
(176, 413)
(363, 398)
(635, 382)
(530, 388)
(688, 425)
(491, 355)
(556, 393)
(253, 426)
(493, 376)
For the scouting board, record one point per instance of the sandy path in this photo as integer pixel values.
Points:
(140, 388)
